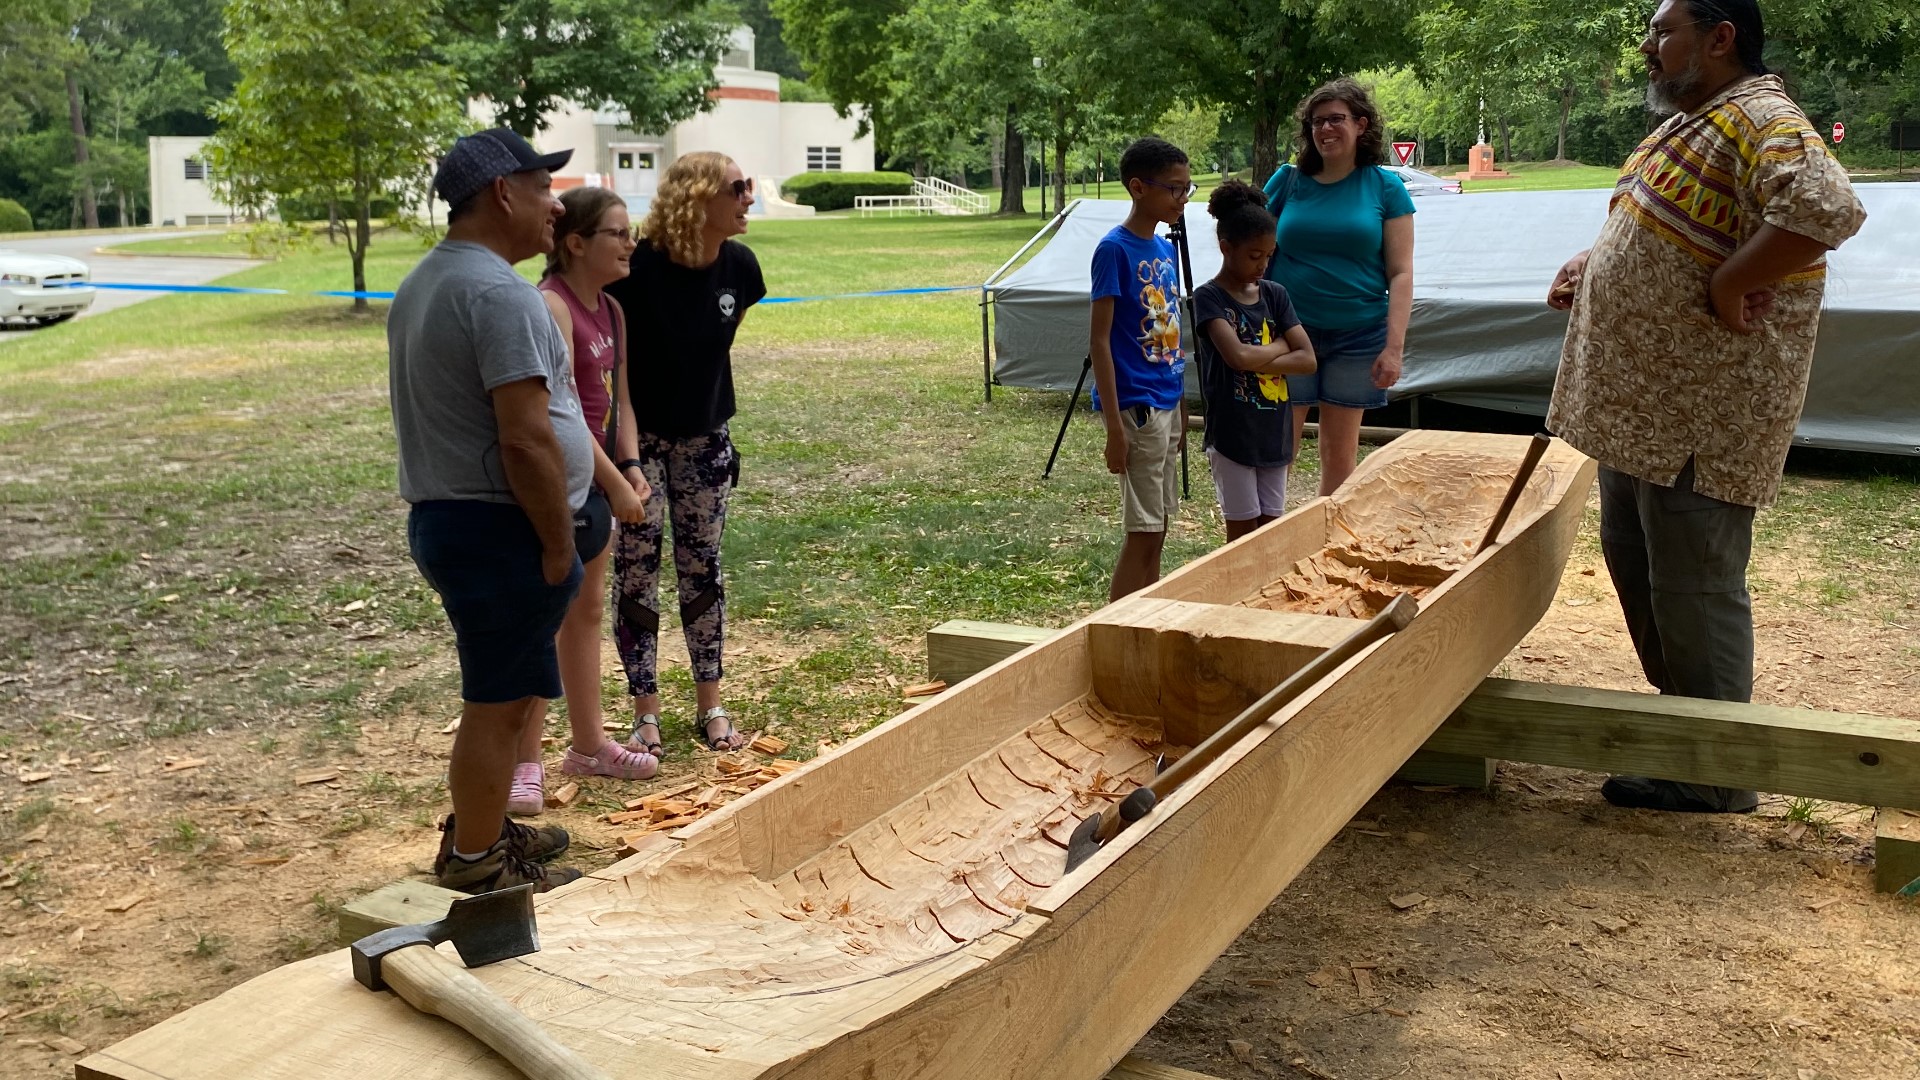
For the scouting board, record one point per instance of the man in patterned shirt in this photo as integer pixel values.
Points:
(1688, 349)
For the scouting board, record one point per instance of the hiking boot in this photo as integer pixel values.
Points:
(500, 868)
(528, 842)
(613, 760)
(1640, 793)
(528, 796)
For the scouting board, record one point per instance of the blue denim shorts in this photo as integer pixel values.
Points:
(484, 560)
(1345, 373)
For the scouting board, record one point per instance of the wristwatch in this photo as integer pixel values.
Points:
(630, 463)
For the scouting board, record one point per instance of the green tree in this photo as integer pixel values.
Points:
(338, 101)
(526, 58)
(1264, 56)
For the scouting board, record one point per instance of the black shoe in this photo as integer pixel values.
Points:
(1640, 793)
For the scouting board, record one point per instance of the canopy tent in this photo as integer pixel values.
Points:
(1482, 333)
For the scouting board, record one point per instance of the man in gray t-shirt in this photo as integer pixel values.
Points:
(495, 457)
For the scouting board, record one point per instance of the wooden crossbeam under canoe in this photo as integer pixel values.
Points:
(899, 908)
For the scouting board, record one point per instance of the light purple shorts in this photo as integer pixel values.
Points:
(1248, 493)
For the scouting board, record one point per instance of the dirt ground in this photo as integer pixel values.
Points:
(1559, 938)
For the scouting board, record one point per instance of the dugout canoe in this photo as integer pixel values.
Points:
(898, 909)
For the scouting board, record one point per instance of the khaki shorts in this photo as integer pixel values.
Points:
(1150, 489)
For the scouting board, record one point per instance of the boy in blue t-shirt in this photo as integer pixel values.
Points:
(1138, 366)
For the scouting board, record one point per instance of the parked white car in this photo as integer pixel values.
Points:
(43, 289)
(1423, 183)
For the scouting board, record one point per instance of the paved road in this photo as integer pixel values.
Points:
(144, 269)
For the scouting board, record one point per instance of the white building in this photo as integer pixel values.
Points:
(771, 139)
(177, 187)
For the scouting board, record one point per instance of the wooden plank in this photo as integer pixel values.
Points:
(1139, 1068)
(1896, 850)
(399, 904)
(1453, 770)
(1839, 757)
(963, 647)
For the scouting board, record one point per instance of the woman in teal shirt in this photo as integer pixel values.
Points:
(1345, 255)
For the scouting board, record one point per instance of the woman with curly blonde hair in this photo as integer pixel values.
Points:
(691, 284)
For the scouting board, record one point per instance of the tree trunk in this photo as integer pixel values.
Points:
(1059, 172)
(1268, 114)
(1566, 112)
(1506, 139)
(1013, 169)
(363, 189)
(123, 222)
(333, 221)
(82, 163)
(996, 154)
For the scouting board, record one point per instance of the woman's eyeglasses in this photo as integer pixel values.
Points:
(1327, 121)
(740, 187)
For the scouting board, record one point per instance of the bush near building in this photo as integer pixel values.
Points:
(837, 190)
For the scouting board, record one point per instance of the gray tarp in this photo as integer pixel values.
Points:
(1482, 333)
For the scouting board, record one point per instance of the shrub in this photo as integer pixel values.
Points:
(837, 190)
(14, 217)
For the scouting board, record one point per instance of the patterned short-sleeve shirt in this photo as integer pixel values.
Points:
(1648, 377)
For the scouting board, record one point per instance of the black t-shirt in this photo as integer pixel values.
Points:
(1248, 417)
(680, 325)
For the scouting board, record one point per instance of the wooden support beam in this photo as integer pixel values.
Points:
(1453, 770)
(402, 903)
(1139, 1068)
(1896, 850)
(958, 649)
(1840, 757)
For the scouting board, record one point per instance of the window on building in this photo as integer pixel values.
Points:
(196, 169)
(823, 159)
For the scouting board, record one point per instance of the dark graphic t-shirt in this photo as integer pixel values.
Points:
(1248, 417)
(680, 326)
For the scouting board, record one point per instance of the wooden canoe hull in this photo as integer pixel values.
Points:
(1065, 984)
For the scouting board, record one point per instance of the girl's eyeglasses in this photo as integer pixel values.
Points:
(741, 187)
(630, 234)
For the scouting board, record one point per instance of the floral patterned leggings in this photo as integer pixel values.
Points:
(691, 477)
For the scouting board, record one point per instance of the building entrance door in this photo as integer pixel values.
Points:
(636, 173)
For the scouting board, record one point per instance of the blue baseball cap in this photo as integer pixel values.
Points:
(485, 156)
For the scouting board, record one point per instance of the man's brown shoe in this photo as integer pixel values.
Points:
(534, 843)
(500, 868)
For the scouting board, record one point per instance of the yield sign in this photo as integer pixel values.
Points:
(1404, 150)
(1839, 131)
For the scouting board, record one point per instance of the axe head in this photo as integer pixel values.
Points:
(484, 929)
(1086, 837)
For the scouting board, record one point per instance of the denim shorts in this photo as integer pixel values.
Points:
(484, 560)
(1345, 373)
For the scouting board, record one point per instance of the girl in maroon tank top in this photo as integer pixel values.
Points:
(592, 242)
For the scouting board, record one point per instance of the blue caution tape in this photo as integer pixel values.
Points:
(349, 294)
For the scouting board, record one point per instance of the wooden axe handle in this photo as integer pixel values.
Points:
(1394, 616)
(439, 987)
(1534, 449)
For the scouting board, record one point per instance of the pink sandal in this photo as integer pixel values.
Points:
(613, 760)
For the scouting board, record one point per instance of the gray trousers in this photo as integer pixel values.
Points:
(1678, 559)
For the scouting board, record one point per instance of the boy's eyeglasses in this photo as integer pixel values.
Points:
(1329, 120)
(1185, 192)
(741, 187)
